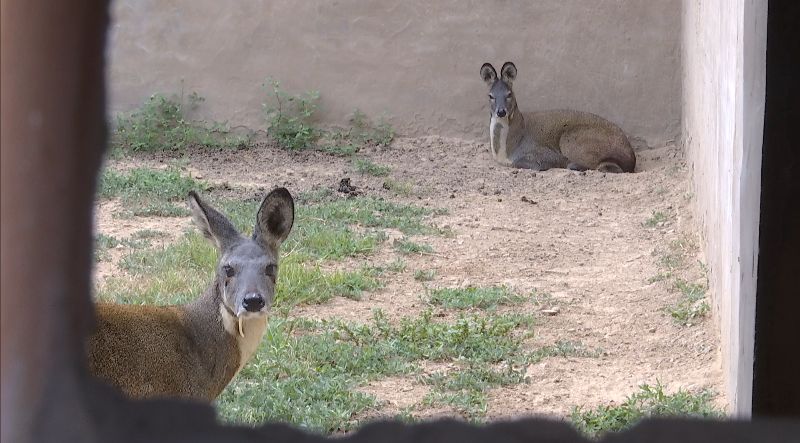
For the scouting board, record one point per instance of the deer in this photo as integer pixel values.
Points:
(550, 139)
(194, 350)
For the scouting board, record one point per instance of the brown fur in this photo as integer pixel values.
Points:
(585, 139)
(148, 351)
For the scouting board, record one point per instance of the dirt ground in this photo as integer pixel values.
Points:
(579, 237)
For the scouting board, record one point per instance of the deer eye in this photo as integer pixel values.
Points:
(508, 95)
(229, 271)
(272, 271)
(491, 97)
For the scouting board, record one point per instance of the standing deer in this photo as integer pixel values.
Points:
(194, 350)
(550, 139)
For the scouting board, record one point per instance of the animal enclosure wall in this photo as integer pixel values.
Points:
(723, 110)
(416, 61)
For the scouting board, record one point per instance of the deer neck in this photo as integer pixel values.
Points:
(215, 333)
(503, 132)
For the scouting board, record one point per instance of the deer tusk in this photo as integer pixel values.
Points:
(241, 332)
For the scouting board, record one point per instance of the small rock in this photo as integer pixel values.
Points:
(652, 330)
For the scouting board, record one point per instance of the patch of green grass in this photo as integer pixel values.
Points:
(150, 192)
(657, 218)
(465, 390)
(370, 212)
(161, 124)
(146, 234)
(289, 117)
(408, 247)
(692, 304)
(650, 401)
(102, 243)
(406, 415)
(366, 166)
(309, 379)
(317, 195)
(396, 266)
(305, 284)
(400, 188)
(366, 212)
(486, 339)
(474, 297)
(312, 237)
(172, 274)
(339, 149)
(424, 275)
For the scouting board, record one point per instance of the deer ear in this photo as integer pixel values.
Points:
(214, 226)
(275, 218)
(488, 74)
(508, 73)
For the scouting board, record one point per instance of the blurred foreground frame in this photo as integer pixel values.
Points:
(53, 139)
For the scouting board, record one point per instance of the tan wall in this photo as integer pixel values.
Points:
(724, 53)
(417, 61)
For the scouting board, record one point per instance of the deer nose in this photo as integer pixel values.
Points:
(253, 302)
(501, 112)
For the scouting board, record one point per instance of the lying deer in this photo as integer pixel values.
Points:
(194, 350)
(550, 139)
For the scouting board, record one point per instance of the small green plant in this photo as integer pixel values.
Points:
(400, 188)
(343, 149)
(474, 297)
(317, 195)
(149, 192)
(424, 275)
(405, 246)
(395, 266)
(366, 166)
(661, 276)
(346, 142)
(364, 132)
(658, 218)
(161, 124)
(692, 304)
(289, 117)
(102, 243)
(650, 401)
